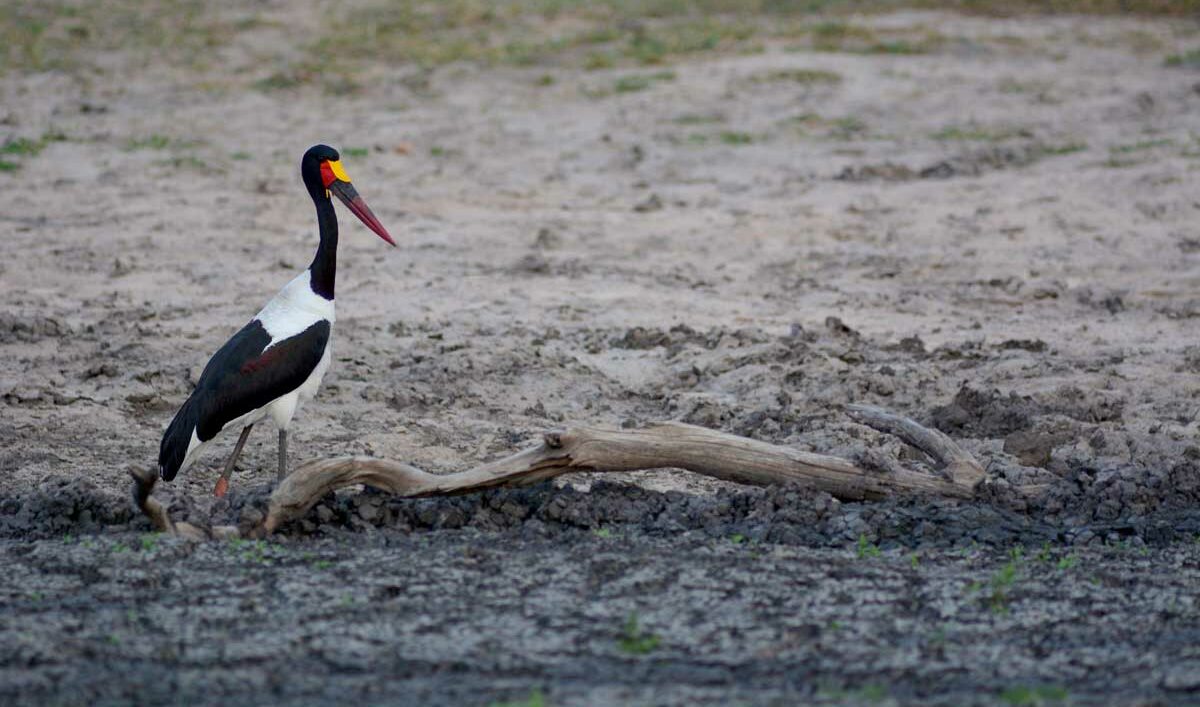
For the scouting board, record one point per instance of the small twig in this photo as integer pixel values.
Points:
(959, 465)
(143, 484)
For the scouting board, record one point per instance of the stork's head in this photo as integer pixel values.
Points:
(325, 178)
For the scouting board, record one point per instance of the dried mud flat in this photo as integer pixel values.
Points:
(994, 233)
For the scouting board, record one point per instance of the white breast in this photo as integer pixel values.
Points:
(295, 309)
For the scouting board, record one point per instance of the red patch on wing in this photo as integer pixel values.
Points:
(327, 176)
(267, 358)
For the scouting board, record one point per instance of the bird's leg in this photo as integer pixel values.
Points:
(282, 454)
(223, 482)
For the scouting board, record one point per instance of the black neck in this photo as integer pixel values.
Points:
(324, 266)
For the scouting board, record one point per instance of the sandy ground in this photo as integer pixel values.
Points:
(998, 238)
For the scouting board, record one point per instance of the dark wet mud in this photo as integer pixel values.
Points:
(611, 615)
(614, 595)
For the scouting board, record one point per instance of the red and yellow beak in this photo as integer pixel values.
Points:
(338, 183)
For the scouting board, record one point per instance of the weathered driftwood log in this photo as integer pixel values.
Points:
(659, 446)
(662, 445)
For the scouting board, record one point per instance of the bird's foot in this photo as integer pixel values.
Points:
(221, 488)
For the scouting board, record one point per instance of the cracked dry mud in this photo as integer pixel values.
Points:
(1002, 244)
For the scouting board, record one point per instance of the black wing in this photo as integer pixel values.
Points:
(241, 377)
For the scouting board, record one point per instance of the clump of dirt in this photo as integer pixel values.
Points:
(64, 506)
(14, 327)
(980, 413)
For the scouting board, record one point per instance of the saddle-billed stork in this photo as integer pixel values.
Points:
(277, 361)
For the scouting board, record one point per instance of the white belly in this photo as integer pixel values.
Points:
(283, 409)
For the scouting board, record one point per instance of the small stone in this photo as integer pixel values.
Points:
(533, 264)
(1033, 447)
(882, 385)
(547, 239)
(652, 203)
(1184, 677)
(251, 516)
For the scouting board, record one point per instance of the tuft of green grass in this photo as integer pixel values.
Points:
(185, 162)
(696, 119)
(599, 60)
(843, 37)
(1189, 59)
(1127, 155)
(734, 137)
(979, 133)
(283, 80)
(865, 549)
(535, 699)
(635, 640)
(1063, 149)
(149, 542)
(355, 151)
(23, 147)
(254, 550)
(1003, 580)
(1140, 146)
(641, 82)
(656, 44)
(150, 142)
(1034, 696)
(841, 129)
(602, 533)
(834, 36)
(902, 47)
(806, 77)
(847, 128)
